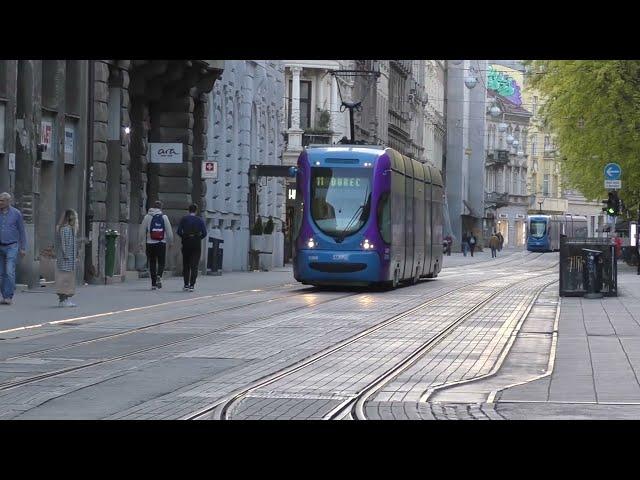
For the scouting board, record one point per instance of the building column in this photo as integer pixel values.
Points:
(333, 109)
(295, 133)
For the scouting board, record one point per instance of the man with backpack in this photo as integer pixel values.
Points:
(192, 230)
(156, 232)
(472, 242)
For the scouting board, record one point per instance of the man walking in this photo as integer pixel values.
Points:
(192, 230)
(494, 244)
(500, 240)
(155, 232)
(465, 243)
(472, 242)
(13, 241)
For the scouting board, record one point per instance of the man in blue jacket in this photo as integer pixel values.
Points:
(192, 230)
(13, 240)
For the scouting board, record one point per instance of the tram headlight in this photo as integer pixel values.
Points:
(311, 243)
(366, 245)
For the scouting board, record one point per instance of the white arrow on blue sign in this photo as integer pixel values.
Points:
(612, 171)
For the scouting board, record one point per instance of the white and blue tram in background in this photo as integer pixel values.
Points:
(366, 215)
(544, 231)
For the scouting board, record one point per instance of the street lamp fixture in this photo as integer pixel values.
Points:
(470, 81)
(510, 139)
(502, 127)
(495, 111)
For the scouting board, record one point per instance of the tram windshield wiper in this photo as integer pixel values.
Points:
(342, 235)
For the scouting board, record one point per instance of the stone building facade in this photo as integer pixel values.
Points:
(465, 148)
(506, 194)
(43, 151)
(136, 102)
(244, 129)
(434, 112)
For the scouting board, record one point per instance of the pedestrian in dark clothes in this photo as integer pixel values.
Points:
(192, 230)
(472, 243)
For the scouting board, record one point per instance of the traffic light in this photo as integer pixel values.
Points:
(614, 204)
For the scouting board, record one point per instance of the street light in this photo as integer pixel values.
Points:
(510, 139)
(470, 81)
(495, 111)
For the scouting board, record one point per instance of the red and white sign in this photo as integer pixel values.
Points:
(209, 169)
(46, 137)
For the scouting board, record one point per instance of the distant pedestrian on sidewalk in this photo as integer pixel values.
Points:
(66, 257)
(472, 242)
(465, 243)
(13, 241)
(192, 230)
(446, 244)
(500, 240)
(155, 233)
(494, 244)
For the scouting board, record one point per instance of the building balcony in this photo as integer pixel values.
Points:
(495, 199)
(317, 137)
(497, 156)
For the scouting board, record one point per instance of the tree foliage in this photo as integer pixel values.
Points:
(593, 109)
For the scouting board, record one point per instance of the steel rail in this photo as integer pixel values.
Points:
(221, 407)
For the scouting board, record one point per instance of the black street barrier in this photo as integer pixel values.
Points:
(587, 268)
(214, 256)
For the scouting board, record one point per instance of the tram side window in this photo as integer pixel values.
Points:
(384, 218)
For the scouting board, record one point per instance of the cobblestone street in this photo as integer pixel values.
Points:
(487, 339)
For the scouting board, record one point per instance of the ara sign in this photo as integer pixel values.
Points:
(165, 152)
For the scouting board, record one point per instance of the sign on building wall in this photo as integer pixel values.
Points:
(2, 113)
(209, 169)
(165, 152)
(46, 137)
(69, 144)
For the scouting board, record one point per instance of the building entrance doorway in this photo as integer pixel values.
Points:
(503, 227)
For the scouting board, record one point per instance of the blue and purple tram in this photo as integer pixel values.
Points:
(366, 215)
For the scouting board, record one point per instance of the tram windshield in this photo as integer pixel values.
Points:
(537, 228)
(340, 199)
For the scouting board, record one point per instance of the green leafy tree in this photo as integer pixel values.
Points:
(593, 108)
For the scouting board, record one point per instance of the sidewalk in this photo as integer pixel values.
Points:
(40, 305)
(597, 361)
(457, 259)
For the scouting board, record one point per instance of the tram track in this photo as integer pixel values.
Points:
(220, 409)
(14, 384)
(36, 378)
(294, 292)
(354, 408)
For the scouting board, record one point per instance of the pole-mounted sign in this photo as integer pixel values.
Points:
(612, 172)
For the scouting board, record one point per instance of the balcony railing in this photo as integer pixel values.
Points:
(498, 156)
(316, 138)
(495, 199)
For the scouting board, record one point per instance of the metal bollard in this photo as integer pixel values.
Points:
(110, 253)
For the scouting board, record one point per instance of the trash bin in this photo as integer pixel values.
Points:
(214, 256)
(110, 252)
(592, 273)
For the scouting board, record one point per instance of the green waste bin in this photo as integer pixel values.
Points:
(110, 254)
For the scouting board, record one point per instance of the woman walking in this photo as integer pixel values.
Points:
(67, 251)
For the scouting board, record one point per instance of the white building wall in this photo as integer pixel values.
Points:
(244, 129)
